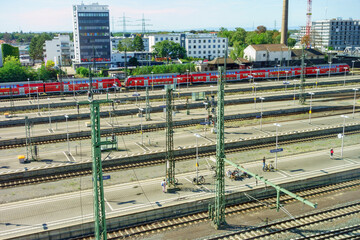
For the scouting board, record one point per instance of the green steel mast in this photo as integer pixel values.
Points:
(302, 97)
(170, 162)
(217, 211)
(147, 109)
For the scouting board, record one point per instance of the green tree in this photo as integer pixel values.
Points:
(133, 61)
(238, 36)
(138, 44)
(291, 42)
(8, 50)
(12, 71)
(238, 51)
(37, 45)
(167, 49)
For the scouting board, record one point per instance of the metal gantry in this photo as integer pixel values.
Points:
(217, 211)
(170, 161)
(302, 97)
(147, 109)
(97, 177)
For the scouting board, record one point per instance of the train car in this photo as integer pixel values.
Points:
(82, 85)
(233, 75)
(21, 88)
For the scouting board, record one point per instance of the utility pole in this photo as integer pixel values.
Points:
(217, 211)
(170, 162)
(147, 110)
(30, 155)
(302, 98)
(60, 79)
(187, 106)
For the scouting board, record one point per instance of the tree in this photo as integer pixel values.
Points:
(167, 49)
(238, 36)
(8, 50)
(291, 42)
(133, 61)
(138, 44)
(260, 29)
(13, 71)
(37, 45)
(238, 50)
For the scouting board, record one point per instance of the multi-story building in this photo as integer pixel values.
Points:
(91, 33)
(59, 49)
(173, 37)
(207, 46)
(336, 33)
(115, 42)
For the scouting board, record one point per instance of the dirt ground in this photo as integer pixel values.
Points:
(242, 221)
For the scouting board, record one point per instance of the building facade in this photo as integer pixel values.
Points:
(207, 46)
(59, 49)
(173, 37)
(91, 27)
(336, 33)
(278, 53)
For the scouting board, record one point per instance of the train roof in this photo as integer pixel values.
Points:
(86, 79)
(19, 83)
(235, 70)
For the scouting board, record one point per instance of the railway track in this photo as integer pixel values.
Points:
(269, 230)
(124, 166)
(153, 129)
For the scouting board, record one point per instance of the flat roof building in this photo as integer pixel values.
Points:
(91, 28)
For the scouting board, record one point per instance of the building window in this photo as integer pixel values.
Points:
(223, 40)
(204, 41)
(156, 39)
(214, 41)
(199, 46)
(264, 55)
(189, 52)
(161, 39)
(194, 46)
(214, 46)
(189, 41)
(204, 52)
(218, 46)
(199, 52)
(189, 47)
(177, 39)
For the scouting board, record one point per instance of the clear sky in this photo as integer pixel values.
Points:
(55, 15)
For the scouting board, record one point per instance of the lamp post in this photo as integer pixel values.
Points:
(277, 125)
(197, 157)
(311, 94)
(250, 76)
(261, 113)
(345, 68)
(343, 135)
(29, 88)
(329, 68)
(152, 81)
(37, 96)
(286, 74)
(278, 72)
(141, 128)
(352, 71)
(355, 89)
(317, 75)
(49, 113)
(73, 85)
(136, 93)
(255, 95)
(294, 89)
(67, 133)
(187, 79)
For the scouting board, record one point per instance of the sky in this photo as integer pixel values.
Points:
(177, 15)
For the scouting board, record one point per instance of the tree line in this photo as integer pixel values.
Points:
(239, 39)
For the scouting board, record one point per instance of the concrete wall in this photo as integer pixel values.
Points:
(192, 207)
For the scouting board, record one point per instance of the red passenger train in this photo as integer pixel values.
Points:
(71, 85)
(232, 75)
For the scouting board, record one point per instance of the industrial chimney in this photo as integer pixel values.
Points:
(284, 25)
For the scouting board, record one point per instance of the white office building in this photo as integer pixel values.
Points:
(59, 49)
(207, 46)
(336, 33)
